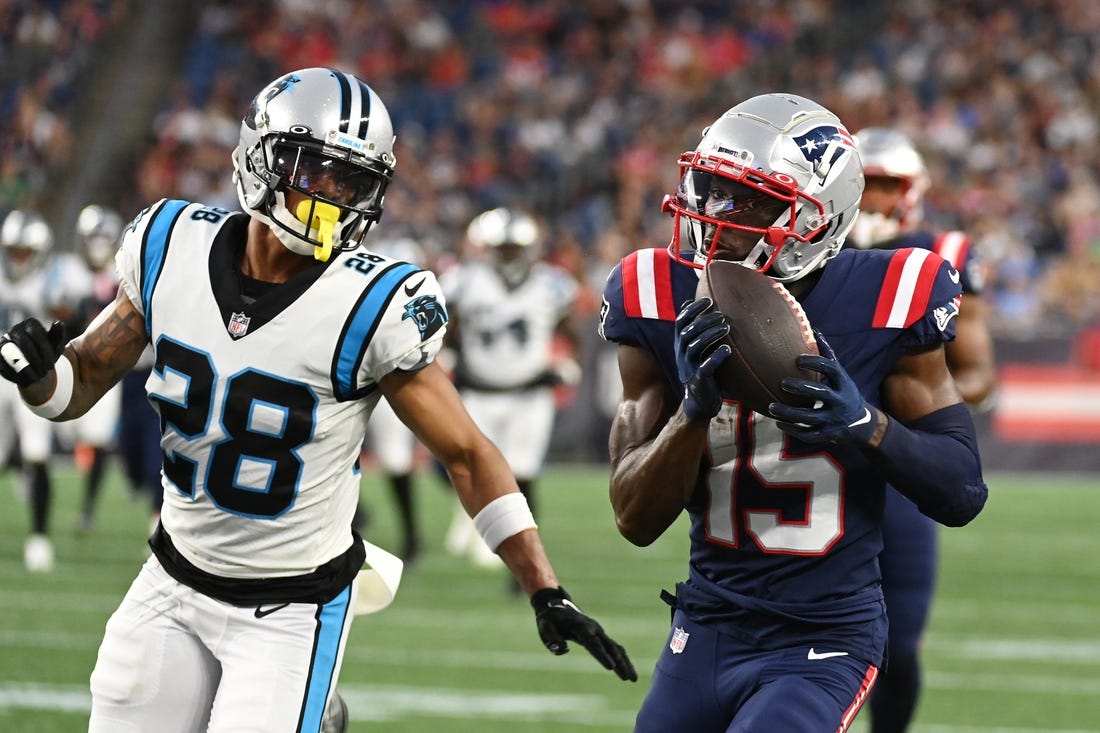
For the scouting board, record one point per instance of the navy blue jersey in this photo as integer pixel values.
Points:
(778, 526)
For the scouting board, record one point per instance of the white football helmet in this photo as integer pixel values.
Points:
(774, 184)
(98, 229)
(26, 239)
(511, 237)
(326, 135)
(888, 153)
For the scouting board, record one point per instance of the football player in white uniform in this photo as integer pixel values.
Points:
(274, 338)
(507, 309)
(94, 287)
(33, 284)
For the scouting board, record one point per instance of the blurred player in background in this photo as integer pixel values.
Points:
(508, 309)
(781, 624)
(33, 284)
(275, 334)
(891, 215)
(391, 443)
(94, 287)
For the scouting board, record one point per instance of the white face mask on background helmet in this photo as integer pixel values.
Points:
(26, 239)
(511, 237)
(890, 154)
(778, 169)
(97, 232)
(324, 134)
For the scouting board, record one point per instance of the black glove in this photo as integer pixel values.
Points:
(842, 414)
(28, 352)
(698, 356)
(559, 620)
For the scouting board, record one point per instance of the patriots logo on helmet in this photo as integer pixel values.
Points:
(815, 143)
(427, 313)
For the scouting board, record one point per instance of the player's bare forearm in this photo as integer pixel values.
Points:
(428, 403)
(526, 558)
(655, 452)
(100, 356)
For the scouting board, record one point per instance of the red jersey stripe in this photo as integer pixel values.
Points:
(662, 285)
(922, 290)
(889, 289)
(953, 247)
(906, 289)
(630, 286)
(647, 285)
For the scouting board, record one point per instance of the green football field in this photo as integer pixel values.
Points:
(1014, 643)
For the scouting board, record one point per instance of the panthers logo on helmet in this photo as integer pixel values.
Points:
(427, 313)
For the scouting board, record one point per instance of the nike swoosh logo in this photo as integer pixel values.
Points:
(865, 419)
(954, 275)
(411, 291)
(824, 655)
(261, 611)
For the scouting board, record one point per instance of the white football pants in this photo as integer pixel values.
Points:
(176, 661)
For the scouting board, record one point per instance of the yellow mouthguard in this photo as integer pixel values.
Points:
(324, 221)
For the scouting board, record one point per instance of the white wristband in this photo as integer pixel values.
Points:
(503, 517)
(62, 393)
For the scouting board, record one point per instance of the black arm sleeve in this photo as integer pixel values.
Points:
(934, 461)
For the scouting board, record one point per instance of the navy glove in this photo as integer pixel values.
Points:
(698, 357)
(559, 620)
(28, 351)
(841, 414)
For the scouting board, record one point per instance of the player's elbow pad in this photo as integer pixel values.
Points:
(934, 461)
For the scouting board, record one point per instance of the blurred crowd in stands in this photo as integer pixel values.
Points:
(579, 110)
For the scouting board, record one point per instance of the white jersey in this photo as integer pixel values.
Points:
(506, 335)
(34, 295)
(265, 403)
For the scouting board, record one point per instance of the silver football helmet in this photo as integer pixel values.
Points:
(774, 184)
(888, 153)
(97, 231)
(511, 237)
(327, 136)
(26, 239)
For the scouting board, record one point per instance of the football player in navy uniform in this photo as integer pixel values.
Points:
(891, 215)
(274, 336)
(780, 624)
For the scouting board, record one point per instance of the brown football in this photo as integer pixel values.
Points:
(768, 331)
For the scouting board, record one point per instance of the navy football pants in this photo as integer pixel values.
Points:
(717, 684)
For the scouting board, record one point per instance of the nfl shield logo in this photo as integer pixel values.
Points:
(238, 325)
(679, 640)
